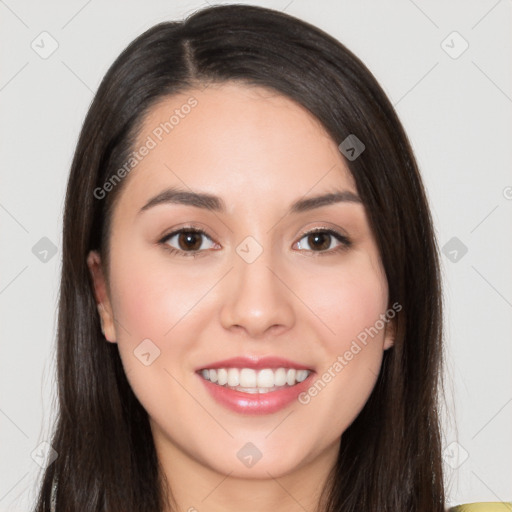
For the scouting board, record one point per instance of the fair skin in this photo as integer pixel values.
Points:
(259, 152)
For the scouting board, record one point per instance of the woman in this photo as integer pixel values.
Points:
(293, 362)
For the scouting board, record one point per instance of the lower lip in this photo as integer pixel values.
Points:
(256, 403)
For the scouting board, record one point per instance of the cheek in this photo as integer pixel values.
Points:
(350, 304)
(347, 300)
(155, 308)
(151, 297)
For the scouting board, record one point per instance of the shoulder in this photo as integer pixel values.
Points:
(494, 506)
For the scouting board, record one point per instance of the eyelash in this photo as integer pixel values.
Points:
(345, 244)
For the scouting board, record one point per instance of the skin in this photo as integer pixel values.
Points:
(259, 151)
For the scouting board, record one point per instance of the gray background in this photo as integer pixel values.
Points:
(455, 108)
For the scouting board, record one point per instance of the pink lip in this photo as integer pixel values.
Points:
(256, 403)
(256, 363)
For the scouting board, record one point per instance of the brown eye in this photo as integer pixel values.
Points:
(187, 240)
(319, 241)
(324, 241)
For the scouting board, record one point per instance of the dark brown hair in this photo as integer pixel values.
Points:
(390, 456)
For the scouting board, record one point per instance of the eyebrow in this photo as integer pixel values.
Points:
(216, 204)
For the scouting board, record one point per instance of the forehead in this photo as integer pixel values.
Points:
(240, 142)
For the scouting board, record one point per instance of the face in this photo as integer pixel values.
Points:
(244, 274)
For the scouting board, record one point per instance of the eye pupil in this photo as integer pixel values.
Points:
(186, 241)
(317, 238)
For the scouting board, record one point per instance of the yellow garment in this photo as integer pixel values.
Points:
(494, 506)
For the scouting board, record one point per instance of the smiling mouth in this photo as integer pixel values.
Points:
(249, 380)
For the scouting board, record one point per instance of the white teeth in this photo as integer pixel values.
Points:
(280, 377)
(290, 377)
(255, 381)
(266, 378)
(253, 391)
(222, 376)
(301, 375)
(233, 377)
(247, 378)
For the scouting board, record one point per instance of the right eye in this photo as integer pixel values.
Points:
(189, 241)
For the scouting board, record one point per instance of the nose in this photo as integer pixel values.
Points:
(257, 299)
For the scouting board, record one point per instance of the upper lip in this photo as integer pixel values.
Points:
(256, 363)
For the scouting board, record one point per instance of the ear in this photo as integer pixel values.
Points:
(390, 334)
(101, 295)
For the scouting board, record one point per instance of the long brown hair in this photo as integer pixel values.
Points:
(390, 456)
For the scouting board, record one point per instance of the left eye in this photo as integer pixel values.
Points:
(323, 240)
